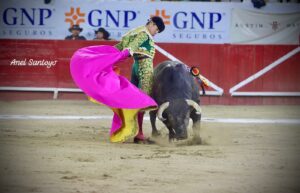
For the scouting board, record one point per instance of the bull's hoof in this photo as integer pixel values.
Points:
(143, 141)
(156, 134)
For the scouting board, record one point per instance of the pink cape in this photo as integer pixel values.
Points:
(92, 71)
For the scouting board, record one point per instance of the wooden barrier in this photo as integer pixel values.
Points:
(224, 64)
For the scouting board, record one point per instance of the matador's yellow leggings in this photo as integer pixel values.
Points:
(129, 128)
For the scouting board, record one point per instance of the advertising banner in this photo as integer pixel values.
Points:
(249, 27)
(191, 23)
(186, 22)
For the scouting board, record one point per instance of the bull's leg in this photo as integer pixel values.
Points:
(196, 126)
(155, 132)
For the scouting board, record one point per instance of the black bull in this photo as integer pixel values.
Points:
(177, 94)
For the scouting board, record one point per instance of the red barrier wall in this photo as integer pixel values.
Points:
(225, 65)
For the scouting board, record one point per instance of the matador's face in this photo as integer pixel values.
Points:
(152, 28)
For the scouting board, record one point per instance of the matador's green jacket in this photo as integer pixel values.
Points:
(141, 46)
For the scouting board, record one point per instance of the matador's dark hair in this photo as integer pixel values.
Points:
(158, 22)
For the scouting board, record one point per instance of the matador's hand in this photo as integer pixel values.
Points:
(125, 54)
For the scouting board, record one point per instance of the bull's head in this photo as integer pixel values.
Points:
(176, 114)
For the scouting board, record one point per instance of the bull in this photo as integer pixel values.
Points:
(177, 94)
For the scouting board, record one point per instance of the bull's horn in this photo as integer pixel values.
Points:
(161, 109)
(194, 105)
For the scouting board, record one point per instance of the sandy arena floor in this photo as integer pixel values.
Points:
(76, 155)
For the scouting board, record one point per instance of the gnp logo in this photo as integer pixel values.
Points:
(74, 17)
(191, 20)
(101, 18)
(26, 17)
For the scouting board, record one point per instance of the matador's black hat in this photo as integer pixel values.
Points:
(158, 22)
